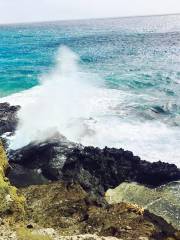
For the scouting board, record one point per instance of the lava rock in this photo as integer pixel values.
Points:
(21, 176)
(112, 166)
(95, 169)
(8, 118)
(48, 156)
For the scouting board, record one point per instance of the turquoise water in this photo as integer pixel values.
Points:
(143, 57)
(137, 61)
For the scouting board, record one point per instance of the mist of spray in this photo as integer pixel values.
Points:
(59, 103)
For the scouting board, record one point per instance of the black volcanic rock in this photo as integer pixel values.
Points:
(8, 118)
(23, 177)
(96, 170)
(113, 166)
(48, 156)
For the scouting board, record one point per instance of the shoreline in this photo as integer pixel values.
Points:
(49, 164)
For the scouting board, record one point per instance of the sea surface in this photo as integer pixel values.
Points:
(107, 82)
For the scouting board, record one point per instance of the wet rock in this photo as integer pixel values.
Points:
(95, 169)
(22, 176)
(8, 118)
(38, 163)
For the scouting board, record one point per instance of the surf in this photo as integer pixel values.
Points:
(74, 102)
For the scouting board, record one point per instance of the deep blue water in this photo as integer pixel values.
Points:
(139, 57)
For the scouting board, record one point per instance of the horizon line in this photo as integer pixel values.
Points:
(86, 19)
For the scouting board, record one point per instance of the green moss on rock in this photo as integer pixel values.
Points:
(11, 201)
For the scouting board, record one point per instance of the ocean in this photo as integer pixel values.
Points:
(106, 82)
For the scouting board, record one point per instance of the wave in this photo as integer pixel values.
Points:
(60, 103)
(75, 103)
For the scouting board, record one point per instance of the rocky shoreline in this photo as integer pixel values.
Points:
(64, 184)
(96, 170)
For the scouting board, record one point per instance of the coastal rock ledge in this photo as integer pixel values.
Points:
(96, 170)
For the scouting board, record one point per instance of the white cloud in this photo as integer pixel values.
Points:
(44, 10)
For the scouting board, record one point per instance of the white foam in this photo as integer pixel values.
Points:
(151, 141)
(70, 101)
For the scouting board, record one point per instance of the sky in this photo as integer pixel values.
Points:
(13, 11)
